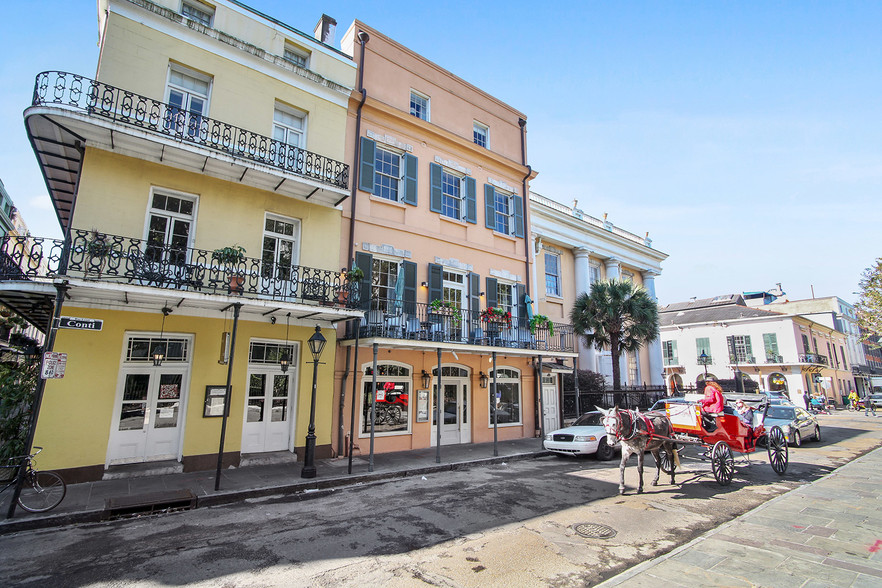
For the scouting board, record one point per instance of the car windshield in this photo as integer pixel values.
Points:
(591, 419)
(781, 412)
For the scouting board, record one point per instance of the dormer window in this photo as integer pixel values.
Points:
(198, 12)
(296, 55)
(419, 105)
(481, 134)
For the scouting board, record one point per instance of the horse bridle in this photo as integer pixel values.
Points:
(618, 429)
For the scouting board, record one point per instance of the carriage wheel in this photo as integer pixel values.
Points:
(722, 463)
(776, 443)
(666, 460)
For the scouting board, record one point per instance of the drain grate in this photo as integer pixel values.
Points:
(595, 530)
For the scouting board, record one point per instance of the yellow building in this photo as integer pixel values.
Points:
(199, 182)
(438, 225)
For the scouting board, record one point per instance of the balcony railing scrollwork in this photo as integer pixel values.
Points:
(103, 100)
(94, 256)
(813, 358)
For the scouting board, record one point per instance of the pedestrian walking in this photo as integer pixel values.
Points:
(868, 405)
(807, 399)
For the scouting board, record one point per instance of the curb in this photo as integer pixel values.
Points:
(298, 491)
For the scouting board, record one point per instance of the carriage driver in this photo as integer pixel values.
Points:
(711, 404)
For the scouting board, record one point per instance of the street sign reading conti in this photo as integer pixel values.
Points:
(72, 322)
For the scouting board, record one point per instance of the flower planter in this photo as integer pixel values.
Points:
(237, 284)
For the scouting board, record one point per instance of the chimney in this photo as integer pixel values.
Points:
(325, 29)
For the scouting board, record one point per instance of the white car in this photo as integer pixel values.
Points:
(583, 437)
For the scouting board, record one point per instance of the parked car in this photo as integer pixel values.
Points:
(585, 436)
(876, 399)
(797, 423)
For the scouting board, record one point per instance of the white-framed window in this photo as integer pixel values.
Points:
(505, 396)
(187, 96)
(593, 273)
(394, 384)
(628, 276)
(387, 173)
(506, 298)
(669, 353)
(289, 126)
(419, 105)
(451, 195)
(140, 349)
(552, 274)
(740, 350)
(481, 135)
(454, 288)
(296, 55)
(281, 247)
(198, 11)
(170, 222)
(504, 222)
(384, 279)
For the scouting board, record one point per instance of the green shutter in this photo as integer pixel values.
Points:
(491, 292)
(366, 166)
(489, 206)
(471, 201)
(409, 196)
(365, 262)
(410, 286)
(518, 229)
(435, 187)
(436, 282)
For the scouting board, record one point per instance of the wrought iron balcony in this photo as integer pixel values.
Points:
(813, 358)
(122, 106)
(425, 322)
(108, 258)
(772, 358)
(735, 359)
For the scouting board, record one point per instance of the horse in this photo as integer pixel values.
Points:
(639, 433)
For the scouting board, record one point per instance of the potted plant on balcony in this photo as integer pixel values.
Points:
(445, 308)
(232, 256)
(496, 314)
(355, 274)
(543, 322)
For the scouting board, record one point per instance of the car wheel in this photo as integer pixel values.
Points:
(797, 438)
(817, 433)
(604, 451)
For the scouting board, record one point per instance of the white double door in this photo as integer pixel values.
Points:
(148, 416)
(269, 414)
(455, 413)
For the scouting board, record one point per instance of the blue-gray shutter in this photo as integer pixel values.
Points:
(365, 262)
(489, 206)
(409, 195)
(518, 229)
(521, 300)
(474, 293)
(471, 201)
(435, 187)
(410, 286)
(366, 166)
(491, 292)
(436, 282)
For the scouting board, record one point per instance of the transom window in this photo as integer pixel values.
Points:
(387, 174)
(481, 135)
(296, 56)
(552, 274)
(268, 353)
(505, 396)
(197, 11)
(451, 372)
(451, 195)
(140, 349)
(419, 105)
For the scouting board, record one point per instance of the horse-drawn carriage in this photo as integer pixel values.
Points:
(683, 424)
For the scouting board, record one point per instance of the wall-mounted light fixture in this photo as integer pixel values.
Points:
(427, 379)
(424, 284)
(483, 380)
(285, 359)
(481, 294)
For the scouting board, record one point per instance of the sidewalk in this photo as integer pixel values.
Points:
(86, 502)
(827, 533)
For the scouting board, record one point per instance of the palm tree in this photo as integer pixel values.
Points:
(616, 315)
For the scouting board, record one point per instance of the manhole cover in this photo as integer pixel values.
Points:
(595, 530)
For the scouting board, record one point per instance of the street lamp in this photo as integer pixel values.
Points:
(703, 358)
(316, 346)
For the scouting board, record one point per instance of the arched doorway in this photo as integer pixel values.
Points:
(675, 384)
(777, 382)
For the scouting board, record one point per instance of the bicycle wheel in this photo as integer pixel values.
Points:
(42, 491)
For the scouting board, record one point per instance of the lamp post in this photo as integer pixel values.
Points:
(703, 358)
(316, 346)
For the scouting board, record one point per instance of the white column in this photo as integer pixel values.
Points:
(654, 347)
(613, 268)
(587, 354)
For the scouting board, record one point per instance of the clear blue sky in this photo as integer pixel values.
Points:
(746, 137)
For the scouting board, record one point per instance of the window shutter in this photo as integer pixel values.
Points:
(521, 299)
(747, 348)
(410, 286)
(471, 201)
(435, 187)
(410, 180)
(489, 206)
(518, 220)
(436, 282)
(674, 358)
(491, 292)
(474, 292)
(366, 166)
(730, 344)
(365, 262)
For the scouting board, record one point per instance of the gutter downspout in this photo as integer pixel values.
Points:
(523, 124)
(363, 38)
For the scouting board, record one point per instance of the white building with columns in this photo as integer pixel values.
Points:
(571, 251)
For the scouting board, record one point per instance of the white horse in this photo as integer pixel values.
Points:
(639, 433)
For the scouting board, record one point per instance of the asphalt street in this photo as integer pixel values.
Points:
(512, 524)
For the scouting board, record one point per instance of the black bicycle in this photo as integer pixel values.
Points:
(41, 491)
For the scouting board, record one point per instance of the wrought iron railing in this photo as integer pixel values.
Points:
(813, 358)
(425, 322)
(774, 358)
(111, 258)
(103, 100)
(632, 397)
